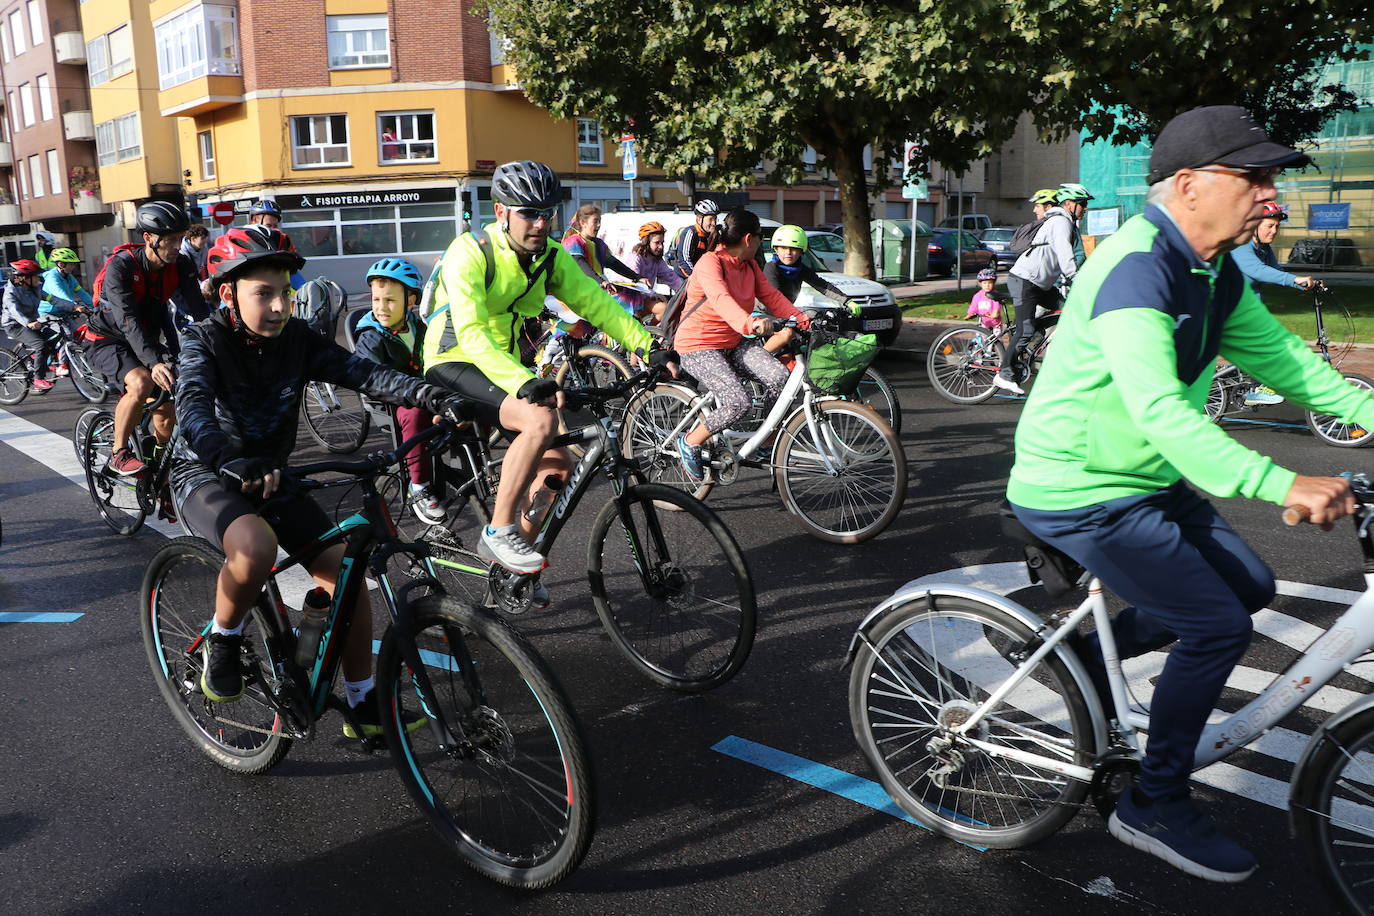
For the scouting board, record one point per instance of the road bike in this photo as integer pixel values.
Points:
(983, 724)
(1231, 388)
(125, 503)
(68, 358)
(838, 467)
(499, 767)
(964, 360)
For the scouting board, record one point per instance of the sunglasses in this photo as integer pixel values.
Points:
(1255, 176)
(534, 214)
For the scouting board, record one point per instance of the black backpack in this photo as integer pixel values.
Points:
(1023, 239)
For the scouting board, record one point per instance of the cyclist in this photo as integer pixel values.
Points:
(136, 342)
(1076, 192)
(393, 335)
(63, 295)
(265, 213)
(44, 242)
(787, 272)
(471, 344)
(986, 305)
(689, 245)
(593, 255)
(1042, 200)
(238, 403)
(20, 317)
(717, 316)
(650, 265)
(1032, 279)
(1116, 422)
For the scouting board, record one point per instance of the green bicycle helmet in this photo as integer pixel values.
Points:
(1045, 196)
(790, 237)
(66, 255)
(1070, 191)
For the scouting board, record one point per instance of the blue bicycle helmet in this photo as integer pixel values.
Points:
(265, 206)
(398, 269)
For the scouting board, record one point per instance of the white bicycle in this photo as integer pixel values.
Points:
(983, 724)
(837, 465)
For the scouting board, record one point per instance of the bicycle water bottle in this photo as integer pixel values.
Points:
(544, 498)
(314, 612)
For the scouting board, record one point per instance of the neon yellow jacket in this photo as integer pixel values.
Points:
(472, 324)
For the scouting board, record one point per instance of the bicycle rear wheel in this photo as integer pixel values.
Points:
(14, 376)
(922, 669)
(649, 419)
(671, 588)
(1334, 431)
(876, 393)
(865, 492)
(511, 793)
(176, 602)
(115, 497)
(89, 382)
(335, 417)
(1333, 810)
(963, 362)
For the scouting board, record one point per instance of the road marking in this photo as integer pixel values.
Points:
(37, 617)
(846, 785)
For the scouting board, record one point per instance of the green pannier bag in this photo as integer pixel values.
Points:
(836, 367)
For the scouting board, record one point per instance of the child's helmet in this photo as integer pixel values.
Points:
(987, 273)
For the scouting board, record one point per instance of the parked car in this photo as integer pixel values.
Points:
(829, 249)
(973, 222)
(837, 228)
(998, 238)
(942, 253)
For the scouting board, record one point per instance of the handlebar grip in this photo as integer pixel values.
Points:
(1296, 515)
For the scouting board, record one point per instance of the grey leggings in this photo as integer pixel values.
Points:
(721, 371)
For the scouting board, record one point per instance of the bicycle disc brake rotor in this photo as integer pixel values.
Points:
(673, 585)
(492, 736)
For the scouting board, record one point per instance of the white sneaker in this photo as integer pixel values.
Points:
(1262, 395)
(1007, 384)
(505, 547)
(427, 508)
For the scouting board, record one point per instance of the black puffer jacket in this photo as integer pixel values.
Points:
(237, 398)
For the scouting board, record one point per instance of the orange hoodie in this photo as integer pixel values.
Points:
(729, 287)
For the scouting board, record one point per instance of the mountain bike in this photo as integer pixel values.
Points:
(838, 467)
(125, 502)
(68, 358)
(499, 769)
(335, 417)
(964, 360)
(983, 724)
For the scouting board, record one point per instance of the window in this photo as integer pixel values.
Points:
(109, 55)
(105, 151)
(36, 170)
(54, 171)
(118, 140)
(35, 22)
(5, 41)
(26, 103)
(14, 111)
(45, 109)
(368, 231)
(206, 142)
(23, 183)
(589, 149)
(202, 40)
(17, 31)
(319, 140)
(407, 137)
(358, 41)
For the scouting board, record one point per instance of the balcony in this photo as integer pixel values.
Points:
(199, 95)
(87, 205)
(78, 125)
(6, 154)
(69, 47)
(9, 215)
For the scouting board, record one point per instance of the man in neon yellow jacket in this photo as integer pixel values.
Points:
(489, 283)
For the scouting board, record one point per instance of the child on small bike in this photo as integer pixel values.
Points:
(711, 336)
(20, 318)
(393, 335)
(987, 302)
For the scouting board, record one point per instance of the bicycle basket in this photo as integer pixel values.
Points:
(319, 304)
(836, 366)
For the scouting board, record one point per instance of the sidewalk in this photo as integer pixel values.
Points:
(941, 285)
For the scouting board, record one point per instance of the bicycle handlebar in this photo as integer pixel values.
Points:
(1296, 515)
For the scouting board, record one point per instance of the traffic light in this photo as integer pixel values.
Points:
(467, 206)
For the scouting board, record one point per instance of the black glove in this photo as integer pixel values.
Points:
(538, 389)
(456, 409)
(660, 357)
(242, 470)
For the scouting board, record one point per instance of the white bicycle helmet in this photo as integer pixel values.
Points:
(705, 207)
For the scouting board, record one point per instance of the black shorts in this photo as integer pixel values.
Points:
(211, 508)
(114, 359)
(467, 380)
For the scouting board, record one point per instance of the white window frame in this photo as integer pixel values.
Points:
(590, 143)
(105, 150)
(54, 171)
(205, 144)
(13, 108)
(35, 22)
(120, 40)
(297, 162)
(187, 48)
(45, 102)
(408, 141)
(16, 20)
(26, 103)
(23, 183)
(352, 41)
(35, 167)
(5, 41)
(128, 137)
(98, 60)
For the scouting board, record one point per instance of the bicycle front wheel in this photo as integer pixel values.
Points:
(335, 417)
(1337, 432)
(14, 377)
(177, 601)
(115, 497)
(83, 422)
(671, 588)
(646, 436)
(596, 367)
(845, 479)
(876, 392)
(1333, 810)
(89, 382)
(923, 668)
(963, 362)
(510, 789)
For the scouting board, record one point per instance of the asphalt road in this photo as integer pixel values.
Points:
(106, 808)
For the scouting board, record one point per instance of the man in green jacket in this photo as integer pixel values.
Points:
(1115, 422)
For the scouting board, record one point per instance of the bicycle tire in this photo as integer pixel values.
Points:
(15, 377)
(649, 417)
(335, 417)
(524, 758)
(695, 629)
(876, 393)
(863, 499)
(1336, 432)
(83, 422)
(89, 383)
(601, 367)
(177, 596)
(1218, 399)
(962, 363)
(116, 498)
(1332, 814)
(896, 715)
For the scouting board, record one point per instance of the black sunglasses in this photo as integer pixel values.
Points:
(537, 213)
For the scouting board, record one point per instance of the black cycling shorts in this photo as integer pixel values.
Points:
(467, 380)
(211, 508)
(114, 359)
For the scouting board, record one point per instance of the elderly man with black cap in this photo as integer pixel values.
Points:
(1115, 423)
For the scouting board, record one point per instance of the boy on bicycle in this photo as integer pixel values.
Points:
(238, 400)
(19, 316)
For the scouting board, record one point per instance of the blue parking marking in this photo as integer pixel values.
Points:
(38, 617)
(846, 785)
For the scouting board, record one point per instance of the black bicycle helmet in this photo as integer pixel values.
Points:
(526, 184)
(161, 217)
(265, 206)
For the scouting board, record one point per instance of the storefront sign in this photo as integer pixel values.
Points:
(330, 199)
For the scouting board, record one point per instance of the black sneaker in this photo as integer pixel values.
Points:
(222, 679)
(370, 718)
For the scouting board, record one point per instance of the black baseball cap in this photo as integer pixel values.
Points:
(1224, 134)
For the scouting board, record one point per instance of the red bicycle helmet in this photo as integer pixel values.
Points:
(241, 246)
(23, 267)
(1274, 211)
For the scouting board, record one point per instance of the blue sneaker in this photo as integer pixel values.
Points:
(1261, 396)
(1178, 832)
(691, 459)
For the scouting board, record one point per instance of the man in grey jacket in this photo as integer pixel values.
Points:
(1033, 278)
